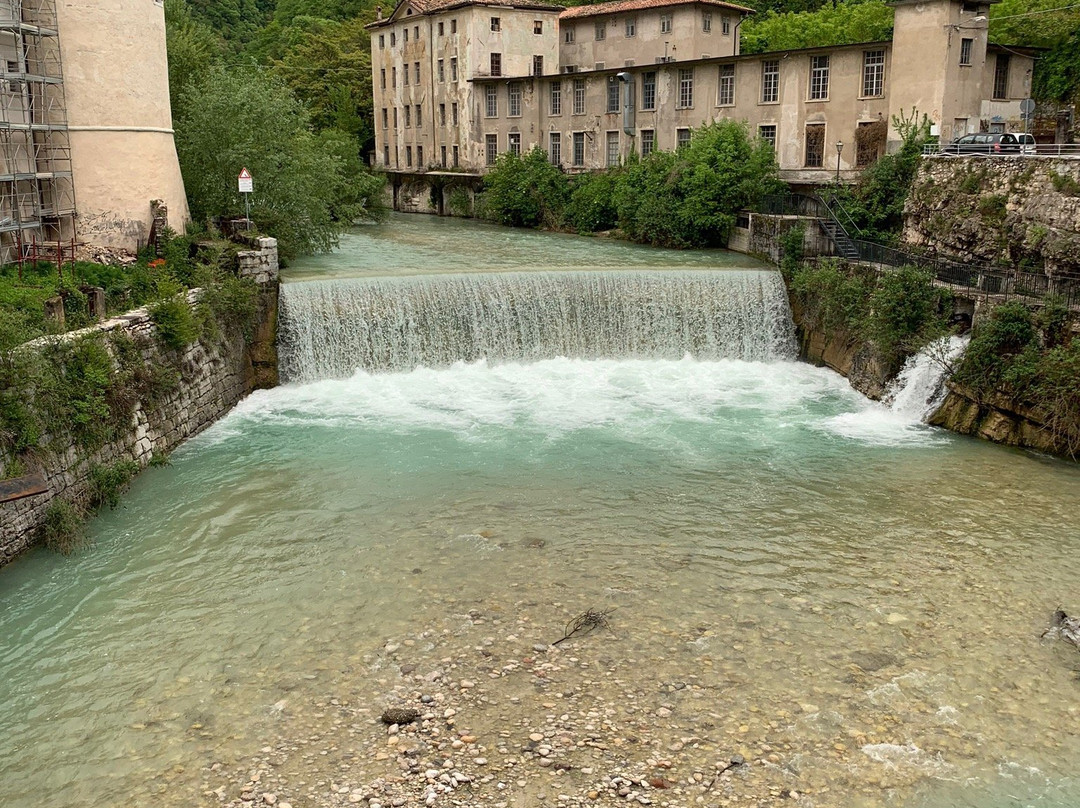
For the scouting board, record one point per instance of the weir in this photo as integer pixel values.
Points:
(331, 329)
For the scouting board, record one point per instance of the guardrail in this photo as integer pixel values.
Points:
(999, 150)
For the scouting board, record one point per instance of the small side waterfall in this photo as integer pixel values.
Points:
(330, 329)
(919, 388)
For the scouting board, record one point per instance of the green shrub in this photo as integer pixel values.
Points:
(906, 312)
(791, 250)
(176, 326)
(460, 201)
(63, 529)
(234, 302)
(525, 191)
(1064, 184)
(107, 483)
(592, 202)
(832, 297)
(992, 206)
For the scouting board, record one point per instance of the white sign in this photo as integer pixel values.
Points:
(246, 181)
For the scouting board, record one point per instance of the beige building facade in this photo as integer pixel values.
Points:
(86, 138)
(633, 76)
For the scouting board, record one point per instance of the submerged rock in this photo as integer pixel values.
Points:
(399, 715)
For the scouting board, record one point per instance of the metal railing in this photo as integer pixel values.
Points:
(1002, 150)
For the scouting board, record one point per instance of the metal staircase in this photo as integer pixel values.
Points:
(834, 228)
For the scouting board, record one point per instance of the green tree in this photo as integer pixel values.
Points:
(242, 117)
(1049, 24)
(838, 23)
(525, 191)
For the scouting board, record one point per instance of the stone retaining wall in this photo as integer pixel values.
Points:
(214, 376)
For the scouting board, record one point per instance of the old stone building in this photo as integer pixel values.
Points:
(86, 141)
(458, 82)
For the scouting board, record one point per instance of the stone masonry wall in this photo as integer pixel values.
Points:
(214, 376)
(1018, 211)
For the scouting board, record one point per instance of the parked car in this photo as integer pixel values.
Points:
(987, 143)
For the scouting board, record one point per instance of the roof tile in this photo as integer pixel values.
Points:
(619, 6)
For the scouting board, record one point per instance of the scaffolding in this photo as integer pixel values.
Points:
(37, 196)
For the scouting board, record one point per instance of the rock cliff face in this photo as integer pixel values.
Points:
(856, 359)
(1019, 211)
(1001, 420)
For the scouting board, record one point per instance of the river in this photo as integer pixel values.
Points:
(790, 573)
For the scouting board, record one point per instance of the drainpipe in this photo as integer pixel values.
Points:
(735, 34)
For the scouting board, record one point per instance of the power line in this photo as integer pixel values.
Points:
(1033, 13)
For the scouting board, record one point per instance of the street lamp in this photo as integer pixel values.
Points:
(839, 148)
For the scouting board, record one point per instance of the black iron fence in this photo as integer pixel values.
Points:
(1000, 283)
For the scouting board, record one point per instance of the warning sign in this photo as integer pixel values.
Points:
(246, 181)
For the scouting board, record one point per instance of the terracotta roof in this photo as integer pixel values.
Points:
(618, 6)
(435, 6)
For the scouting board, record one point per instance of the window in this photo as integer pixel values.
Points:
(442, 116)
(514, 143)
(454, 150)
(513, 93)
(408, 116)
(405, 35)
(706, 21)
(416, 72)
(682, 138)
(770, 81)
(1001, 76)
(555, 148)
(416, 36)
(965, 50)
(419, 115)
(538, 66)
(579, 148)
(815, 145)
(648, 90)
(686, 87)
(419, 156)
(538, 26)
(393, 77)
(440, 34)
(726, 88)
(442, 155)
(867, 146)
(648, 141)
(491, 101)
(665, 23)
(453, 68)
(453, 26)
(393, 39)
(579, 96)
(491, 148)
(568, 36)
(555, 98)
(408, 155)
(631, 26)
(767, 133)
(725, 26)
(382, 78)
(819, 77)
(385, 118)
(453, 114)
(405, 74)
(386, 154)
(873, 73)
(382, 41)
(495, 24)
(612, 94)
(612, 149)
(442, 71)
(601, 30)
(496, 64)
(395, 117)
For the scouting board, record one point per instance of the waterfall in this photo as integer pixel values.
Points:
(919, 388)
(332, 328)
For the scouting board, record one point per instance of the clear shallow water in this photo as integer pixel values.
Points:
(854, 591)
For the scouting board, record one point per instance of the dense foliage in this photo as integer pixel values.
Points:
(687, 198)
(292, 103)
(1050, 24)
(1029, 356)
(899, 311)
(791, 26)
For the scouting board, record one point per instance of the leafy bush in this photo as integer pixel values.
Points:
(525, 191)
(592, 202)
(792, 250)
(63, 529)
(176, 326)
(107, 483)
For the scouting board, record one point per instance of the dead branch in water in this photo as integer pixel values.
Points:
(584, 623)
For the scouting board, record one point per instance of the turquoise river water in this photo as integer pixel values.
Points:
(858, 599)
